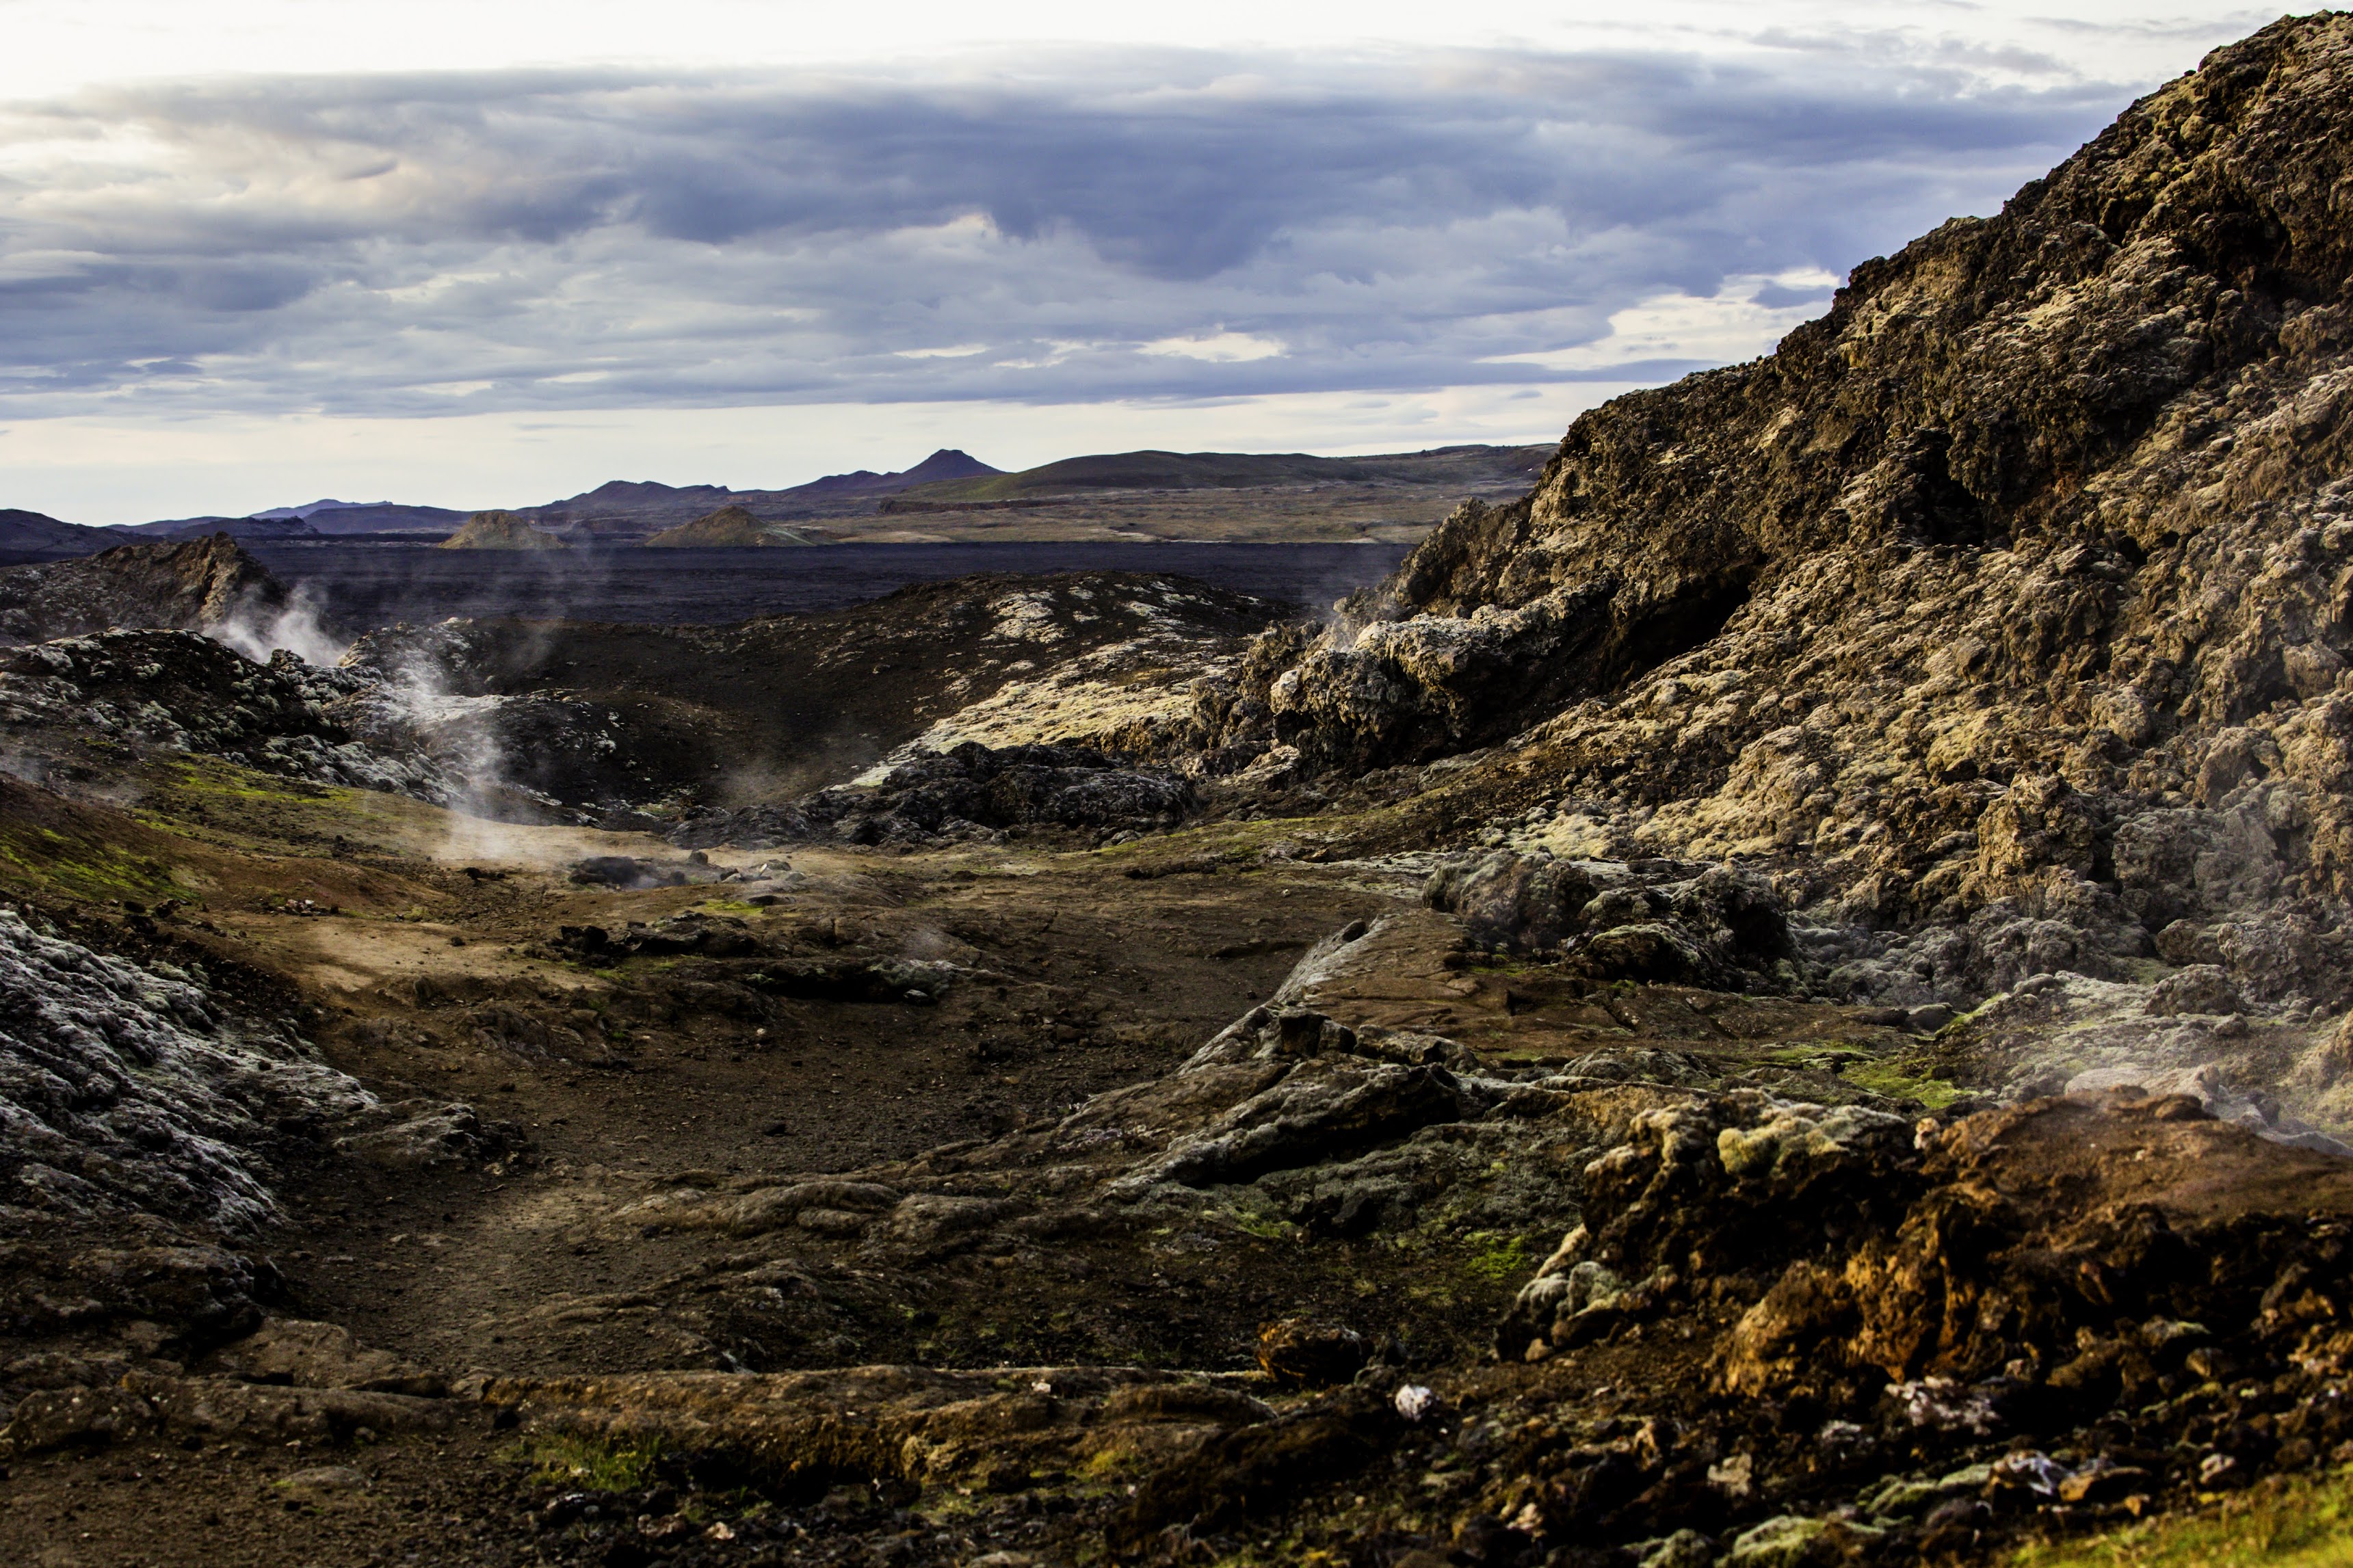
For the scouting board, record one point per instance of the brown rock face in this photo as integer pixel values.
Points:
(2010, 594)
(2172, 1223)
(192, 586)
(2137, 350)
(1300, 1354)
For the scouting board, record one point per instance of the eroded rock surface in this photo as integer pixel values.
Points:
(126, 1090)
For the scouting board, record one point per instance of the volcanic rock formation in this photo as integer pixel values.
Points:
(500, 530)
(201, 586)
(1781, 1001)
(1998, 616)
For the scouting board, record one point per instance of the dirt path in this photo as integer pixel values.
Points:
(1090, 979)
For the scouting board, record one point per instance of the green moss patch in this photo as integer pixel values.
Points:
(2300, 1523)
(1891, 1079)
(1496, 1257)
(586, 1464)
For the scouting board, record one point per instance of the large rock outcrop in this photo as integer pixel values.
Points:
(2006, 601)
(200, 585)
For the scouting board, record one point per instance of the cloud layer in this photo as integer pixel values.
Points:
(1121, 224)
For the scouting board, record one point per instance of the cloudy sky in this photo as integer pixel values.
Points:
(256, 251)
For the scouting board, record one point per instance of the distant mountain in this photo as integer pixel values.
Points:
(385, 517)
(308, 522)
(622, 510)
(944, 465)
(318, 506)
(261, 527)
(1396, 489)
(729, 527)
(624, 495)
(26, 533)
(1156, 470)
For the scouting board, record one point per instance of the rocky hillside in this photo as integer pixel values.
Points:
(2006, 602)
(730, 528)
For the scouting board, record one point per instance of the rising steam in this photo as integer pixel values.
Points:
(295, 628)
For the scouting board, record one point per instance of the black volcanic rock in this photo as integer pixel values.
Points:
(969, 790)
(197, 585)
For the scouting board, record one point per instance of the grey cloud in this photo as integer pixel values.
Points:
(382, 245)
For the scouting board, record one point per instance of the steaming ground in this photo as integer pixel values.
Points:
(419, 1068)
(513, 1074)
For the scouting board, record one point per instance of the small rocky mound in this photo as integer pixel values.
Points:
(971, 792)
(500, 530)
(201, 585)
(1663, 921)
(730, 528)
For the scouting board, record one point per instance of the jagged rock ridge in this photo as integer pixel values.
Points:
(201, 585)
(2000, 613)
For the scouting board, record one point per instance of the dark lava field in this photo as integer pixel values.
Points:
(363, 585)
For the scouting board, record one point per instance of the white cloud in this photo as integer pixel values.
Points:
(1732, 324)
(239, 211)
(1217, 348)
(600, 240)
(59, 44)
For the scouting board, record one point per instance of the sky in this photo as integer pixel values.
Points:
(256, 252)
